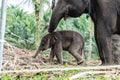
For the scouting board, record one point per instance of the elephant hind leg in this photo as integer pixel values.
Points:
(77, 56)
(76, 51)
(80, 52)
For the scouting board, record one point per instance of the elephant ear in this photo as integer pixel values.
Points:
(55, 37)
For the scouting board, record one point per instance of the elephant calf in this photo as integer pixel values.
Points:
(69, 41)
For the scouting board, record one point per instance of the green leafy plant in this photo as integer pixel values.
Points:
(20, 28)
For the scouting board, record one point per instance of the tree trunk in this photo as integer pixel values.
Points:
(38, 5)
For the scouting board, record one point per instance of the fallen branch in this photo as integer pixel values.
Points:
(83, 74)
(61, 69)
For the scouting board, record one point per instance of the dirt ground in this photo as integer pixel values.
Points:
(20, 59)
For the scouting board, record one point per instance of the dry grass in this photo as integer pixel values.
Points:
(20, 59)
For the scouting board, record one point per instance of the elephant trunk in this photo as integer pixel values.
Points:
(39, 50)
(57, 15)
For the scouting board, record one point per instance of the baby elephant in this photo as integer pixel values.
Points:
(69, 41)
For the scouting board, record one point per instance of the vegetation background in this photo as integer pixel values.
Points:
(25, 30)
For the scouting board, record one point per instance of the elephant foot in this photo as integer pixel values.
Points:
(106, 64)
(80, 62)
(61, 62)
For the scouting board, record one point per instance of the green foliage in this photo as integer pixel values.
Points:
(20, 28)
(56, 75)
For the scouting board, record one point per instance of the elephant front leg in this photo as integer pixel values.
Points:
(58, 51)
(104, 42)
(51, 56)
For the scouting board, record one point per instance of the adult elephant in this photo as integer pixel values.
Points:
(105, 15)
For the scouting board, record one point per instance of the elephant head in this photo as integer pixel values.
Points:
(47, 42)
(66, 8)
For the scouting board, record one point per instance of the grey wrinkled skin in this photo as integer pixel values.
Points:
(105, 15)
(66, 8)
(69, 41)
